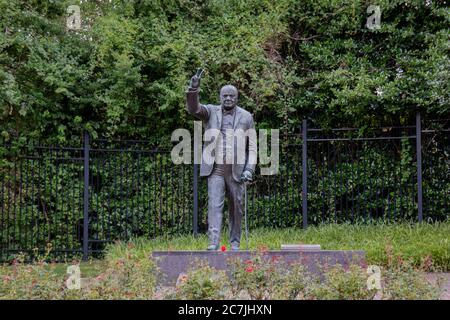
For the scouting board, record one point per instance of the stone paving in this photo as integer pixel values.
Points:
(446, 287)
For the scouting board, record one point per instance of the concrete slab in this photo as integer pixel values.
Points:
(173, 263)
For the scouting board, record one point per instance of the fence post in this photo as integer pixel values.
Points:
(86, 198)
(419, 166)
(195, 213)
(304, 174)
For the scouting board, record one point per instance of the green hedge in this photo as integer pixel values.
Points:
(124, 74)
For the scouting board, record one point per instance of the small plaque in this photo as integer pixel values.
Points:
(301, 247)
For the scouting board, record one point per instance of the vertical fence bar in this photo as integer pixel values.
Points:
(3, 208)
(419, 166)
(195, 213)
(86, 197)
(304, 175)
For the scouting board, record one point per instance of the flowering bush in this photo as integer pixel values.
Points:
(341, 284)
(263, 277)
(296, 284)
(202, 282)
(30, 281)
(133, 276)
(406, 283)
(259, 276)
(126, 278)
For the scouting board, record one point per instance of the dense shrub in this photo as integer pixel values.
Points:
(124, 73)
(129, 277)
(407, 283)
(261, 277)
(340, 284)
(202, 282)
(30, 281)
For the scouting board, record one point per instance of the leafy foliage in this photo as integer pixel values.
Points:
(123, 74)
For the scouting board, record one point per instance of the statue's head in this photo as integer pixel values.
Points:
(229, 96)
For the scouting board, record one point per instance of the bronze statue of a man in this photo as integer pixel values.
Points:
(225, 177)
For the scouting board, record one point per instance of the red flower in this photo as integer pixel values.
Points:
(223, 248)
(249, 269)
(263, 249)
(120, 262)
(248, 262)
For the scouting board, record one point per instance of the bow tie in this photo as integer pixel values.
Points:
(224, 111)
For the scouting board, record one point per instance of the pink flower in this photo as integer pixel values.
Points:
(182, 278)
(120, 262)
(263, 249)
(249, 269)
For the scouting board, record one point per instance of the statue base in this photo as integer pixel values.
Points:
(174, 263)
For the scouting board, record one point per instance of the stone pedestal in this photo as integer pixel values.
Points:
(173, 263)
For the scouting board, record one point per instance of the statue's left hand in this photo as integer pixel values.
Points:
(246, 176)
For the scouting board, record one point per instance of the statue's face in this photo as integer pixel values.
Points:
(228, 97)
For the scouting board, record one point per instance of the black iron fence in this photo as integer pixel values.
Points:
(77, 199)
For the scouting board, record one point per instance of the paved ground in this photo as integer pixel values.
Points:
(446, 287)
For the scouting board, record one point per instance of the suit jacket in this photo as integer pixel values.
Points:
(211, 115)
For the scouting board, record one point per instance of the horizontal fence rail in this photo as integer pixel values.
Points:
(73, 200)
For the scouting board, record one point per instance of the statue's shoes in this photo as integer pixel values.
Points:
(213, 247)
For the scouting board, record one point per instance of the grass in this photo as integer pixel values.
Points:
(421, 243)
(88, 269)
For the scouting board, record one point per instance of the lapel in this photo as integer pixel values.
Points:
(237, 117)
(219, 117)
